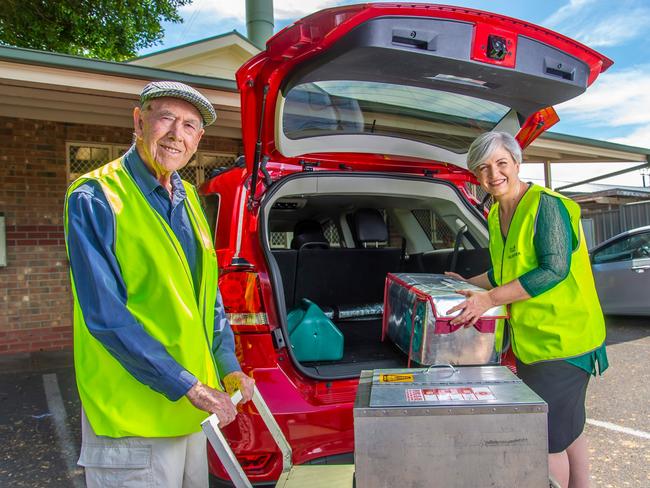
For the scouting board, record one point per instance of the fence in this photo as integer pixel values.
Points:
(608, 223)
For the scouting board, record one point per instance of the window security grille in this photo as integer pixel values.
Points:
(83, 157)
(199, 168)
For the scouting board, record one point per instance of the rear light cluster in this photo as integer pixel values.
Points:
(242, 299)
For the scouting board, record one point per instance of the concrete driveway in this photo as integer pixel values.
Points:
(40, 435)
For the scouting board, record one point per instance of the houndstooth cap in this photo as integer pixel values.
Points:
(174, 89)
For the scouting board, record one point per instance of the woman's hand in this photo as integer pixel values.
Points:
(477, 303)
(455, 276)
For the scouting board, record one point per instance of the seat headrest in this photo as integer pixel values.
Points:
(309, 234)
(369, 226)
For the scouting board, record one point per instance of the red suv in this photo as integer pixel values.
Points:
(356, 122)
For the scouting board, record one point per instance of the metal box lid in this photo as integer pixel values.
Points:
(444, 387)
(441, 291)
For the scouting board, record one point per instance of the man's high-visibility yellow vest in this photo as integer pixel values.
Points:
(161, 295)
(563, 322)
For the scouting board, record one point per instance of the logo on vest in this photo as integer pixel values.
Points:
(512, 252)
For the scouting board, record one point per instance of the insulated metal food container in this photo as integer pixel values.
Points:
(417, 320)
(474, 426)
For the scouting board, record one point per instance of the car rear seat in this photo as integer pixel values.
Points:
(306, 234)
(470, 262)
(344, 276)
(286, 260)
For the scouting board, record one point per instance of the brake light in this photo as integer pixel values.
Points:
(242, 299)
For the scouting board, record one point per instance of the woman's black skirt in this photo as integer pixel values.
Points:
(563, 387)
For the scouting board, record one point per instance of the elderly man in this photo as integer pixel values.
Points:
(151, 339)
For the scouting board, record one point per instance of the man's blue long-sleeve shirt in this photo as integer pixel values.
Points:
(102, 293)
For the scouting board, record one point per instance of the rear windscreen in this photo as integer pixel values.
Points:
(431, 116)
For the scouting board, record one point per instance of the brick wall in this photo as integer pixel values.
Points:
(35, 299)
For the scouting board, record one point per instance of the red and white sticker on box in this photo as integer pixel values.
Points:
(414, 395)
(462, 394)
(430, 394)
(467, 394)
(456, 394)
(483, 393)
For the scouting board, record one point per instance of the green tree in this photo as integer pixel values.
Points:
(106, 29)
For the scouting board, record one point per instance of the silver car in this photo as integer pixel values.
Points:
(621, 267)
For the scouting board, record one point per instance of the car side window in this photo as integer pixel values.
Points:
(642, 247)
(631, 247)
(435, 227)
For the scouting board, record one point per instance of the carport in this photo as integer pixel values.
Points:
(553, 148)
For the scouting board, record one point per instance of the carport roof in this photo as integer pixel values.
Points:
(563, 148)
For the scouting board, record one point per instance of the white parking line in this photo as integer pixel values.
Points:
(619, 428)
(55, 405)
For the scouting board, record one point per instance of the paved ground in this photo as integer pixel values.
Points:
(622, 397)
(39, 416)
(31, 454)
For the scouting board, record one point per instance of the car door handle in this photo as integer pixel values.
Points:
(640, 269)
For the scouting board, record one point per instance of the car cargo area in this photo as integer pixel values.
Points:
(334, 247)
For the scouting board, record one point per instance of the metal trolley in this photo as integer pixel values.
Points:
(444, 435)
(330, 476)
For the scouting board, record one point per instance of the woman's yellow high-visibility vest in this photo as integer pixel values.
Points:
(161, 295)
(563, 322)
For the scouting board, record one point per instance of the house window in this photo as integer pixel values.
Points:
(83, 157)
(199, 168)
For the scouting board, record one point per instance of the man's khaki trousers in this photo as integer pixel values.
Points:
(134, 462)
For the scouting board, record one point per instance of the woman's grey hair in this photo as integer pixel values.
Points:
(488, 142)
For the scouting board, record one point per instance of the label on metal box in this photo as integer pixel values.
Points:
(471, 394)
(396, 378)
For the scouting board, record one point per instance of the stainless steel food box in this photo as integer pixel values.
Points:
(417, 320)
(474, 426)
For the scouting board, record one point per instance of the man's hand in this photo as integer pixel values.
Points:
(477, 303)
(214, 401)
(239, 381)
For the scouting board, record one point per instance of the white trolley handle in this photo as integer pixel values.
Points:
(220, 445)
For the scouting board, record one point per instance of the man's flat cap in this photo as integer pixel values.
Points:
(174, 89)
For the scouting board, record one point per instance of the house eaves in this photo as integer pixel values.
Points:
(61, 88)
(78, 63)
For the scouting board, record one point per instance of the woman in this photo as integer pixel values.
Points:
(541, 269)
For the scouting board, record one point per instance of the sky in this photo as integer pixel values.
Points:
(615, 108)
